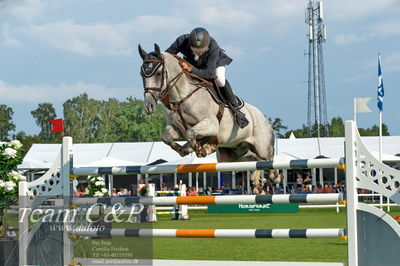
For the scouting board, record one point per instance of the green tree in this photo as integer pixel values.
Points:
(6, 124)
(374, 131)
(298, 133)
(336, 127)
(81, 118)
(277, 126)
(108, 111)
(133, 124)
(43, 114)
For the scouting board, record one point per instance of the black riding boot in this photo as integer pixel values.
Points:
(240, 117)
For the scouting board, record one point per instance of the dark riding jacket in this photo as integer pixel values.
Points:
(207, 62)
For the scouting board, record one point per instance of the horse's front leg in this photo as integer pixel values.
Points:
(171, 134)
(205, 128)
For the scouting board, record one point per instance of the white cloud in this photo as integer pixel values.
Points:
(6, 37)
(12, 42)
(391, 62)
(264, 49)
(348, 10)
(120, 39)
(25, 11)
(62, 92)
(234, 51)
(346, 39)
(387, 28)
(240, 16)
(102, 38)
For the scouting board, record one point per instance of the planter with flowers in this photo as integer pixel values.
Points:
(11, 155)
(96, 187)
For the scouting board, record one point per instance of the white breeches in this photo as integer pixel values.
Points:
(220, 73)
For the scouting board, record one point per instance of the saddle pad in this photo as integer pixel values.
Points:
(219, 99)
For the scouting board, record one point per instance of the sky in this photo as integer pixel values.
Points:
(51, 51)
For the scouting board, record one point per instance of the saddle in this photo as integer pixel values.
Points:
(218, 96)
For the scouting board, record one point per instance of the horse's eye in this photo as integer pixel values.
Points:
(159, 74)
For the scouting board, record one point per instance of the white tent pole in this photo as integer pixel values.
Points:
(197, 181)
(248, 182)
(285, 181)
(204, 180)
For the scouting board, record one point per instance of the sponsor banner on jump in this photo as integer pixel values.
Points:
(253, 208)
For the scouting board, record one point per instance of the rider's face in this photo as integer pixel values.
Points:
(198, 52)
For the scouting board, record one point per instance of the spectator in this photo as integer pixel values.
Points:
(320, 189)
(209, 191)
(121, 192)
(328, 189)
(307, 181)
(225, 190)
(299, 180)
(201, 191)
(268, 186)
(114, 192)
(81, 191)
(192, 192)
(164, 187)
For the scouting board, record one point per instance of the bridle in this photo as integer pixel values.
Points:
(164, 90)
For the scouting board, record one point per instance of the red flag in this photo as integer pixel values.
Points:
(58, 125)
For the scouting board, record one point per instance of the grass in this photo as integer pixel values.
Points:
(238, 249)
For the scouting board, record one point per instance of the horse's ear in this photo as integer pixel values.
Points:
(157, 50)
(142, 52)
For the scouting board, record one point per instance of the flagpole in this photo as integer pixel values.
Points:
(380, 104)
(380, 136)
(355, 110)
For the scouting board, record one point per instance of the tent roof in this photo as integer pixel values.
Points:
(307, 148)
(41, 156)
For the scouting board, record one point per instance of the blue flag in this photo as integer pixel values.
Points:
(381, 92)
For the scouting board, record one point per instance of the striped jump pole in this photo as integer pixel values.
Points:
(175, 192)
(210, 200)
(170, 212)
(209, 167)
(218, 233)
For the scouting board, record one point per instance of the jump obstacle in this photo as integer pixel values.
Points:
(373, 236)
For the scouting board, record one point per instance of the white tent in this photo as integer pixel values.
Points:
(41, 156)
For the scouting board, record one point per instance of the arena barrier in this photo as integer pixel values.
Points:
(373, 236)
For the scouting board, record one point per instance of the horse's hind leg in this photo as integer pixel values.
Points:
(171, 134)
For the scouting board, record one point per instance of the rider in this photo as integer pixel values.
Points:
(207, 60)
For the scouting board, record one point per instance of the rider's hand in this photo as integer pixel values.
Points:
(186, 66)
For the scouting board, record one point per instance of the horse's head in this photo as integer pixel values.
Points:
(154, 77)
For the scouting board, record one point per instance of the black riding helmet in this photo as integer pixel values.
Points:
(199, 40)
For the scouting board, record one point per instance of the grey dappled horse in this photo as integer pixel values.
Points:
(193, 115)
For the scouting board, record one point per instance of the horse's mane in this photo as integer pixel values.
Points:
(169, 57)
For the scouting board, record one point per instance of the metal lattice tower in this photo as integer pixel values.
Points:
(317, 120)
